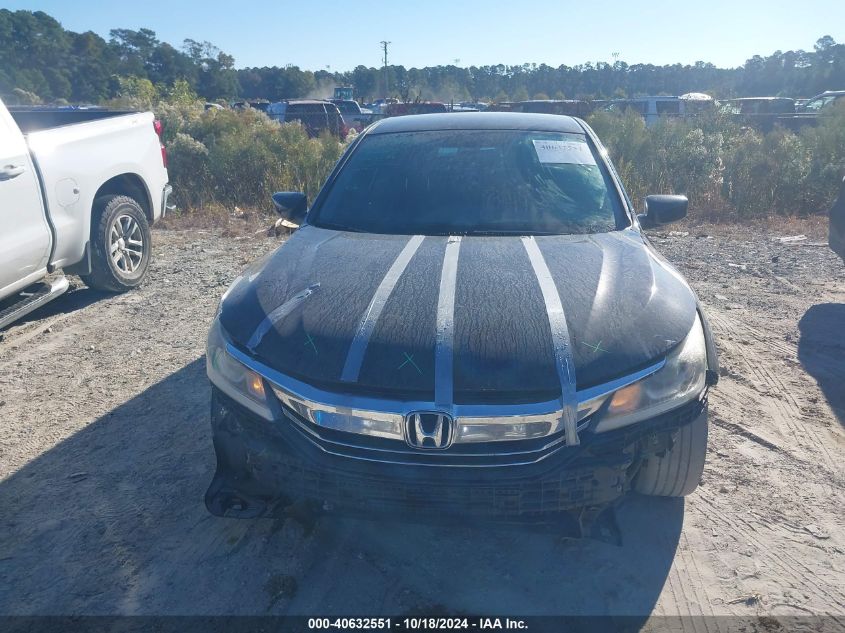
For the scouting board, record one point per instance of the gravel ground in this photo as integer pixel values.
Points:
(105, 454)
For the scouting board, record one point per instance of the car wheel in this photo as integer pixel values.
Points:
(121, 244)
(678, 471)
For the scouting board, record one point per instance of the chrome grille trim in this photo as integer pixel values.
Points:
(403, 450)
(385, 418)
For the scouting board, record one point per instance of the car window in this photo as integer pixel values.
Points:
(305, 108)
(668, 107)
(818, 103)
(640, 107)
(472, 182)
(750, 107)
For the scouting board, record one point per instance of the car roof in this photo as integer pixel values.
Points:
(478, 121)
(653, 98)
(552, 101)
(760, 99)
(306, 101)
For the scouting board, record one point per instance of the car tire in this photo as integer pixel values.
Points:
(677, 472)
(121, 244)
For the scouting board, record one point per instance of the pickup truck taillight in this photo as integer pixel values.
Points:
(159, 130)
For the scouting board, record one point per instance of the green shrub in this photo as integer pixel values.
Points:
(722, 166)
(768, 174)
(240, 157)
(188, 167)
(826, 144)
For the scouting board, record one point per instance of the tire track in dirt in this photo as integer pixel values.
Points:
(685, 594)
(793, 570)
(786, 411)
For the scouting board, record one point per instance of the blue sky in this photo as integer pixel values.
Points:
(316, 34)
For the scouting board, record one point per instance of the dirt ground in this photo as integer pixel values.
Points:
(105, 454)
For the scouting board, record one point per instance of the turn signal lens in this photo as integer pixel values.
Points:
(626, 399)
(255, 385)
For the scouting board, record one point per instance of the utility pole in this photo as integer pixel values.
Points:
(384, 46)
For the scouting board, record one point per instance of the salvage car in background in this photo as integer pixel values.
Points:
(79, 189)
(414, 107)
(315, 116)
(759, 112)
(355, 117)
(571, 107)
(808, 113)
(652, 108)
(469, 322)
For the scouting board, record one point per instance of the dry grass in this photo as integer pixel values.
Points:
(231, 222)
(815, 227)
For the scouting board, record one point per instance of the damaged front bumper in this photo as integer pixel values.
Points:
(263, 467)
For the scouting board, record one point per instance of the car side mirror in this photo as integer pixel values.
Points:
(663, 210)
(291, 205)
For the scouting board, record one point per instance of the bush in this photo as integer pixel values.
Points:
(768, 174)
(240, 157)
(188, 170)
(24, 97)
(722, 166)
(826, 145)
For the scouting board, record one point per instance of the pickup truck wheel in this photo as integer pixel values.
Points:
(678, 472)
(120, 244)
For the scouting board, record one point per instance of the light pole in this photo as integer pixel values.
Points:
(384, 45)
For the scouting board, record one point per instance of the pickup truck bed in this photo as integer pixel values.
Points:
(34, 119)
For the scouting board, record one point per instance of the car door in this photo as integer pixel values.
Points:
(24, 234)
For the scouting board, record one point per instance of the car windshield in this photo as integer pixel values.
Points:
(818, 103)
(347, 108)
(467, 182)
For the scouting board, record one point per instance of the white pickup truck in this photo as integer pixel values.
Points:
(79, 189)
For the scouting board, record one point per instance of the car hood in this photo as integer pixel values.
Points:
(299, 309)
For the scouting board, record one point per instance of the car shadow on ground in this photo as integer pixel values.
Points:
(821, 350)
(111, 521)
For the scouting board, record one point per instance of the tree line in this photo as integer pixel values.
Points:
(40, 60)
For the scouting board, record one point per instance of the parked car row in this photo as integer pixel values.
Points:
(340, 115)
(766, 112)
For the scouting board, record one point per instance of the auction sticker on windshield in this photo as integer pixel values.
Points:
(563, 152)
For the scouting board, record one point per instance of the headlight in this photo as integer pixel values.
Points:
(681, 379)
(233, 378)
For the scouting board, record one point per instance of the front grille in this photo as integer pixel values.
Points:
(277, 461)
(365, 447)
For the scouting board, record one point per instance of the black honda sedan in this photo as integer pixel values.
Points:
(469, 322)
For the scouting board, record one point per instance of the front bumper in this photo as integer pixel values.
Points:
(263, 467)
